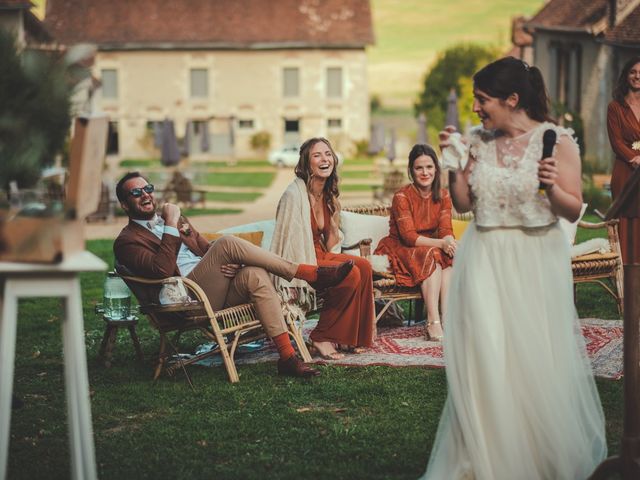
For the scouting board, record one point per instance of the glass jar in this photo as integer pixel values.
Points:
(117, 298)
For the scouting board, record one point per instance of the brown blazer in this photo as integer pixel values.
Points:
(138, 249)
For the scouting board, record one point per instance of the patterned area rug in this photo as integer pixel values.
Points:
(405, 346)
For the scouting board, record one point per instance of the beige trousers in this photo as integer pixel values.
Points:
(251, 284)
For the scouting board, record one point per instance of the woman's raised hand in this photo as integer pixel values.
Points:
(443, 136)
(548, 171)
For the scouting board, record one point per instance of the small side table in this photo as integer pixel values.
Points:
(23, 280)
(111, 333)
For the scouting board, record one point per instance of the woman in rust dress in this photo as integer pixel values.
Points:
(623, 125)
(307, 224)
(420, 245)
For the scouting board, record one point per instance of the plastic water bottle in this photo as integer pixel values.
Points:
(117, 298)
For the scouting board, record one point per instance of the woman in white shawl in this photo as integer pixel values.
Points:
(307, 231)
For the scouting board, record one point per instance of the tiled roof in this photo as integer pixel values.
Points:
(14, 4)
(627, 32)
(519, 36)
(570, 14)
(211, 23)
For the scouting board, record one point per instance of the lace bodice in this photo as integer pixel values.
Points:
(504, 181)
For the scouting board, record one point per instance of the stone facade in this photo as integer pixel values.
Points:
(224, 70)
(244, 95)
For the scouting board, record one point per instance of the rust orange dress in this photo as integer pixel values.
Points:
(624, 130)
(413, 216)
(347, 316)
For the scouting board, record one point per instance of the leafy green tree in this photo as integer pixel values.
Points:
(452, 69)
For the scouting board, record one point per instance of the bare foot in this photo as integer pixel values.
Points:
(327, 351)
(351, 349)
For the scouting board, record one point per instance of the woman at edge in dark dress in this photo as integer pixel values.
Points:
(623, 126)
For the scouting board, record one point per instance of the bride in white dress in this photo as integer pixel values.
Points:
(522, 402)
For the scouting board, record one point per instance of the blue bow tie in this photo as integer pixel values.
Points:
(156, 221)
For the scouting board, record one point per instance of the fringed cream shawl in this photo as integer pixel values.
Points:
(293, 240)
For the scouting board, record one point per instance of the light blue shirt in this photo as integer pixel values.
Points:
(187, 260)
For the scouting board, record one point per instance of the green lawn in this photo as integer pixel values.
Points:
(235, 179)
(248, 162)
(194, 212)
(155, 163)
(140, 163)
(350, 423)
(356, 161)
(233, 196)
(226, 179)
(358, 174)
(358, 187)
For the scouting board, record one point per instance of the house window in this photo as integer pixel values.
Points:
(291, 131)
(109, 83)
(334, 82)
(291, 82)
(154, 127)
(199, 83)
(334, 123)
(565, 74)
(112, 139)
(245, 124)
(292, 126)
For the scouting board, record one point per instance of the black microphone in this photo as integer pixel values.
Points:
(548, 142)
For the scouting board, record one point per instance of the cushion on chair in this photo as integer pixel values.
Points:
(593, 245)
(380, 263)
(459, 226)
(253, 237)
(356, 227)
(570, 228)
(265, 226)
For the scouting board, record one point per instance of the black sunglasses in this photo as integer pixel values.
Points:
(137, 192)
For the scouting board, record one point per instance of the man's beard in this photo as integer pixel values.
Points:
(137, 213)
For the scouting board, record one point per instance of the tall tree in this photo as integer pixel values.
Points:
(453, 68)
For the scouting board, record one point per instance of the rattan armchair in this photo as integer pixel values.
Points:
(605, 269)
(384, 283)
(228, 328)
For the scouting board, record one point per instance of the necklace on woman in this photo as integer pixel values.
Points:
(316, 196)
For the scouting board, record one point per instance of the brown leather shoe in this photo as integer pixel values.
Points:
(294, 367)
(331, 276)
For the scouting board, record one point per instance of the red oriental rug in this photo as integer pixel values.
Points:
(405, 346)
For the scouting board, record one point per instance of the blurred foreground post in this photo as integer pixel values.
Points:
(31, 269)
(628, 462)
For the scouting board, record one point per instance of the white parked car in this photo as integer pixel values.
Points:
(285, 156)
(288, 156)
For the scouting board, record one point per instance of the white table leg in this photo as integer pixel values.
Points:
(8, 320)
(83, 465)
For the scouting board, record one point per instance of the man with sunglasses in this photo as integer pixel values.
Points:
(231, 271)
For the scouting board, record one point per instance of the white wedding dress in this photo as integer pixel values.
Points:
(522, 402)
